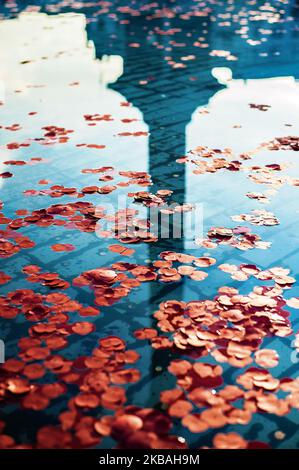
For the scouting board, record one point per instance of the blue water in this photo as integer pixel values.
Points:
(160, 58)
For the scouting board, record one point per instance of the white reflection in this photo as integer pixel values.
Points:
(48, 66)
(222, 74)
(111, 68)
(231, 122)
(228, 121)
